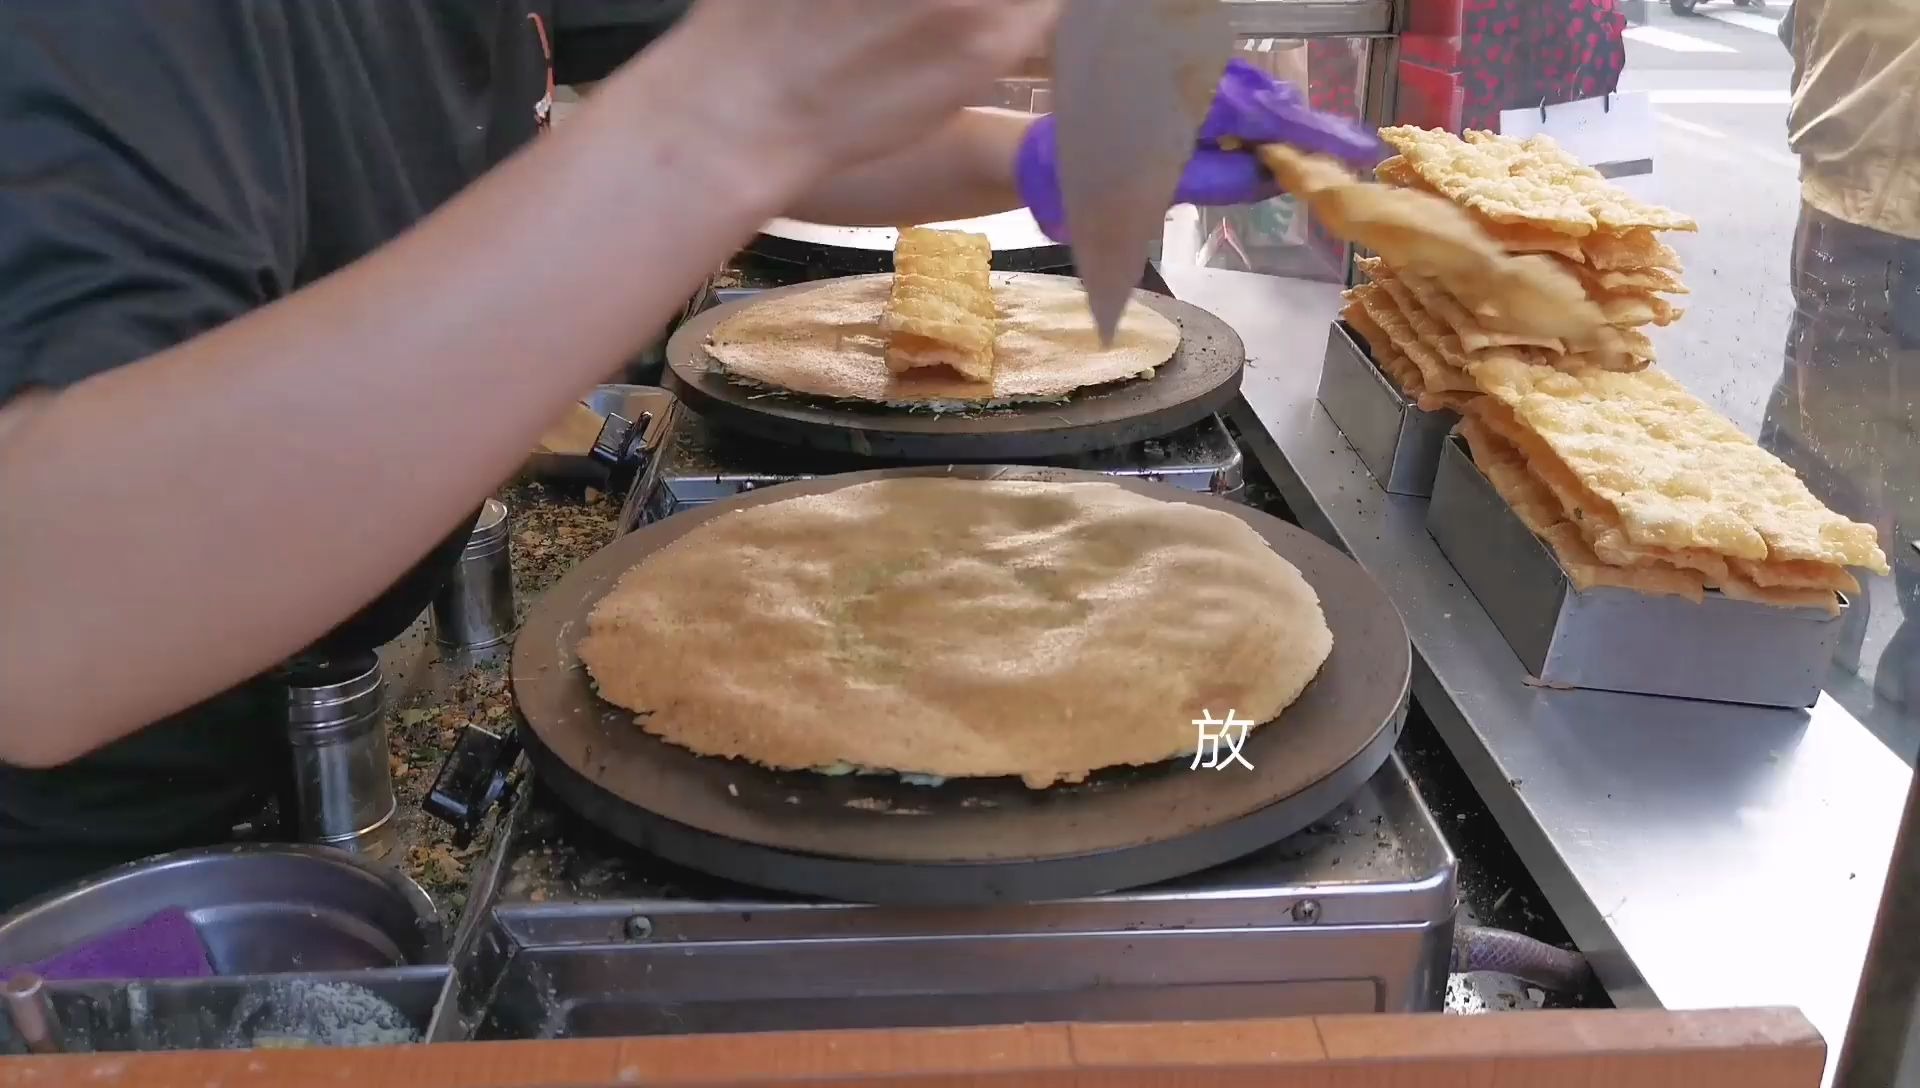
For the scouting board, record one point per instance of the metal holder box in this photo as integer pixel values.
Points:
(1611, 639)
(1399, 443)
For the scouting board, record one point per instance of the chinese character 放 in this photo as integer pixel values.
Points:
(1229, 733)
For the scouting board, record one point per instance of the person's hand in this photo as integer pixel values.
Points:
(1249, 108)
(847, 80)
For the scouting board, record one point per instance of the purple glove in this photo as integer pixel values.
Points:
(1250, 106)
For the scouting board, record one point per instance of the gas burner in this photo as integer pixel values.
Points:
(582, 935)
(703, 463)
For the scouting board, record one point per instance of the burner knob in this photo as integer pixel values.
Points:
(622, 447)
(476, 775)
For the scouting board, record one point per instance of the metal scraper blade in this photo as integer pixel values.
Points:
(1132, 82)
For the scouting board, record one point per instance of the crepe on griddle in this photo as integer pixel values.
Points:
(957, 628)
(827, 342)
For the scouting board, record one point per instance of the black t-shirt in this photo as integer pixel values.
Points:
(169, 165)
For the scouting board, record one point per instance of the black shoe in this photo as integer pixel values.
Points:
(1897, 680)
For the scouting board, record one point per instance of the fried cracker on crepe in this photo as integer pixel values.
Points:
(940, 310)
(826, 341)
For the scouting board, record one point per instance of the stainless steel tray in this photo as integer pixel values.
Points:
(1615, 639)
(327, 1009)
(1399, 443)
(261, 908)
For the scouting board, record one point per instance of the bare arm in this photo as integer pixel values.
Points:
(962, 169)
(175, 525)
(182, 522)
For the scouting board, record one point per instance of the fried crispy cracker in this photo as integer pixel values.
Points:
(1428, 331)
(1526, 238)
(1612, 208)
(1474, 334)
(1396, 171)
(1678, 474)
(1607, 348)
(1506, 470)
(1615, 348)
(1597, 520)
(1480, 180)
(1587, 571)
(1450, 400)
(1742, 590)
(918, 242)
(1529, 181)
(1633, 251)
(1632, 309)
(1796, 574)
(1642, 279)
(1534, 503)
(1435, 375)
(940, 309)
(1513, 237)
(1380, 348)
(1420, 233)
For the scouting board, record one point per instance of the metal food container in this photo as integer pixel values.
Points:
(474, 609)
(1399, 443)
(1612, 639)
(343, 785)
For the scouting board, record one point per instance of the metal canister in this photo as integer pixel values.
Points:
(343, 783)
(474, 609)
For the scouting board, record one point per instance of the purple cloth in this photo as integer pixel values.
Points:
(1250, 106)
(166, 945)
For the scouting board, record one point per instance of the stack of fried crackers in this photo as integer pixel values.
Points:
(1513, 285)
(940, 311)
(1637, 483)
(1535, 201)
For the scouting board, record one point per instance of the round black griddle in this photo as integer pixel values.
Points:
(1202, 376)
(1017, 241)
(875, 838)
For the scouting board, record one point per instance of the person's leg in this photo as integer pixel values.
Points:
(1898, 678)
(1843, 412)
(1792, 430)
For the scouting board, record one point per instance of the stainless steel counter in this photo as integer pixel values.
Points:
(1701, 854)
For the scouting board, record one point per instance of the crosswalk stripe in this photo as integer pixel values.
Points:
(1661, 38)
(1731, 96)
(1763, 23)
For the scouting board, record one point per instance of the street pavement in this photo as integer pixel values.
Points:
(1720, 82)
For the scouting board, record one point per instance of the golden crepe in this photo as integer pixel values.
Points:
(940, 310)
(957, 628)
(827, 342)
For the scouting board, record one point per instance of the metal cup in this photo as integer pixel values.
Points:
(474, 609)
(343, 782)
